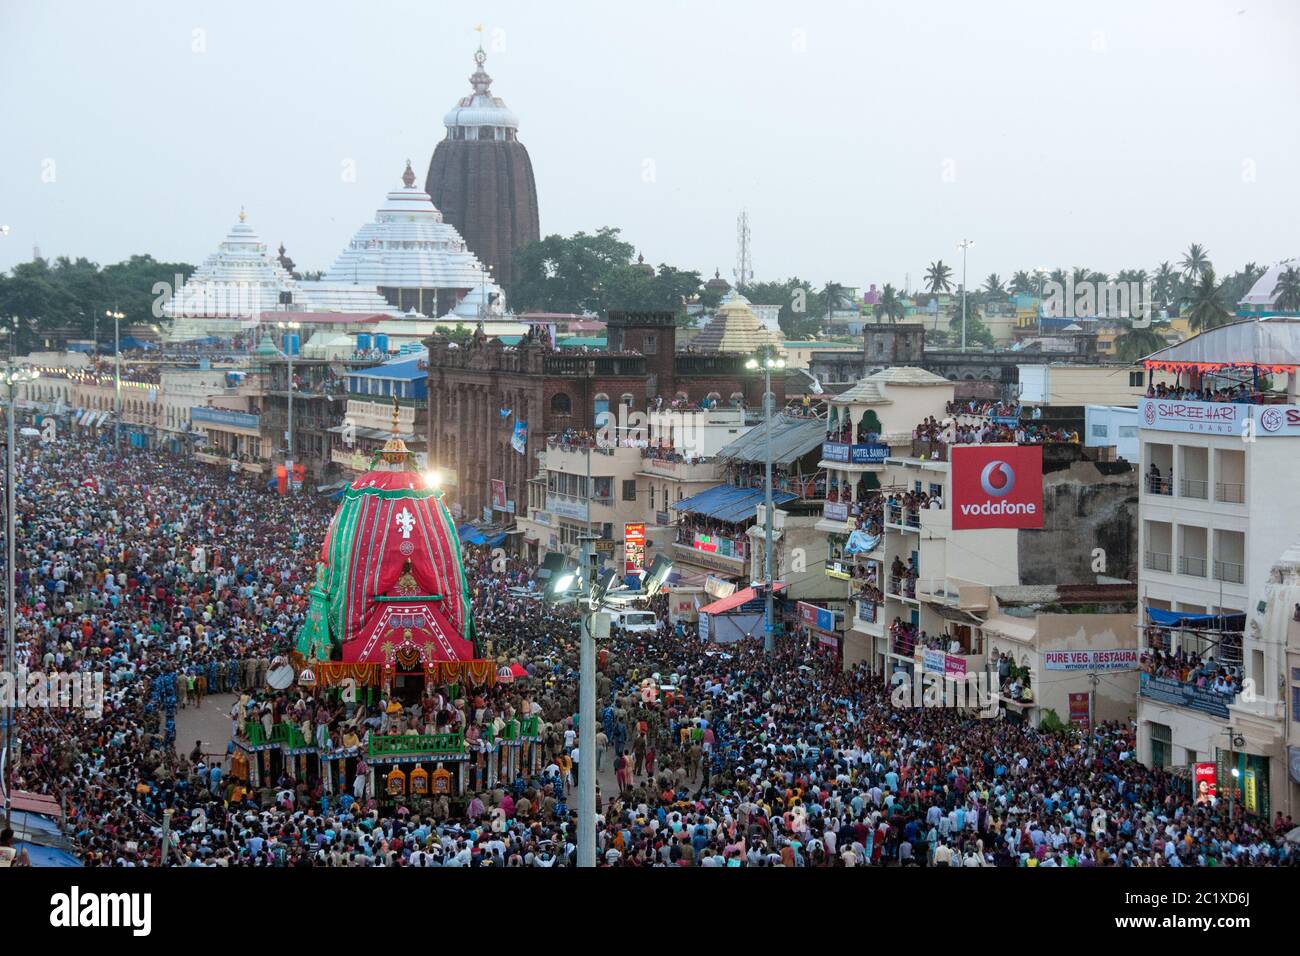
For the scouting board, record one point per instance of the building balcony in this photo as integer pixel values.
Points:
(1230, 492)
(1159, 486)
(1192, 564)
(1230, 572)
(679, 470)
(903, 519)
(902, 588)
(1157, 561)
(1194, 488)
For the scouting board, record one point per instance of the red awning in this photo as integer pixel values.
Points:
(736, 600)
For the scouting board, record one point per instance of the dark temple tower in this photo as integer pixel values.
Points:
(482, 179)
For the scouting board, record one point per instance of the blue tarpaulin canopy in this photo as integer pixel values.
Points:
(729, 503)
(496, 539)
(469, 534)
(1205, 622)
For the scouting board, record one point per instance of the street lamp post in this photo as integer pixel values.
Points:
(963, 246)
(117, 317)
(767, 364)
(11, 378)
(289, 347)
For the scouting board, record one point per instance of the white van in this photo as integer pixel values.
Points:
(633, 622)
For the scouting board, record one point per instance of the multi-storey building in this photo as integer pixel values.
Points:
(1218, 466)
(492, 406)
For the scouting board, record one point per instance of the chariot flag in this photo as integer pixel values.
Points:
(519, 441)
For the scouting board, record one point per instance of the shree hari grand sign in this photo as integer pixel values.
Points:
(997, 486)
(1218, 418)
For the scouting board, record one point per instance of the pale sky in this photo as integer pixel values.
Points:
(865, 139)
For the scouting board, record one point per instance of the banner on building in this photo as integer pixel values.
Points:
(1080, 709)
(519, 440)
(498, 494)
(1117, 659)
(817, 618)
(997, 486)
(633, 548)
(1205, 784)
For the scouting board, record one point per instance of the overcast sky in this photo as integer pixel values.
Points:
(865, 139)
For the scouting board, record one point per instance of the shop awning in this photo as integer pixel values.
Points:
(736, 600)
(729, 503)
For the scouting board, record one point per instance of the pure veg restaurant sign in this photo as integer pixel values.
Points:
(1097, 660)
(997, 486)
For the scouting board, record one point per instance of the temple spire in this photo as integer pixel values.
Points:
(408, 177)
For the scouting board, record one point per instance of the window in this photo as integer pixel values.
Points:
(1100, 430)
(604, 488)
(561, 404)
(651, 343)
(1136, 379)
(1161, 745)
(629, 489)
(1128, 431)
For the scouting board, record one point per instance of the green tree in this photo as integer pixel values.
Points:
(1164, 284)
(1023, 282)
(938, 277)
(1137, 342)
(993, 287)
(802, 308)
(564, 274)
(1287, 291)
(1207, 311)
(890, 305)
(1195, 261)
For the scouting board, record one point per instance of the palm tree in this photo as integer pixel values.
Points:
(1165, 283)
(1195, 261)
(1080, 275)
(890, 305)
(1023, 283)
(1287, 291)
(1207, 309)
(993, 286)
(937, 277)
(1136, 342)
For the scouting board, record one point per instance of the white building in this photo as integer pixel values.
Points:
(1216, 514)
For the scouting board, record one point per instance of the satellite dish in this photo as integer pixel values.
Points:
(280, 676)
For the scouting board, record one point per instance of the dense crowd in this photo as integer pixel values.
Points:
(722, 755)
(1243, 393)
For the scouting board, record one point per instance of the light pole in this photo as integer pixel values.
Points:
(592, 592)
(117, 317)
(963, 246)
(767, 364)
(290, 346)
(12, 377)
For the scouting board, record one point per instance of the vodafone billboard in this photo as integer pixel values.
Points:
(997, 486)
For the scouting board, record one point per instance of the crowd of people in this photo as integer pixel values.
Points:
(1243, 393)
(939, 434)
(984, 406)
(1189, 667)
(721, 756)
